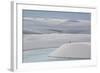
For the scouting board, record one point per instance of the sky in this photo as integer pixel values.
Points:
(46, 22)
(56, 14)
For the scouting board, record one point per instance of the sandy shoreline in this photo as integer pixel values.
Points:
(35, 41)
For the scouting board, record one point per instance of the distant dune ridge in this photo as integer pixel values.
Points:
(72, 50)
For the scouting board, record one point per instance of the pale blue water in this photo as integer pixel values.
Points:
(37, 55)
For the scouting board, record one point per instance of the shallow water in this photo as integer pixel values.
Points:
(40, 55)
(37, 55)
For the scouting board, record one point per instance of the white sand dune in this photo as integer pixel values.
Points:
(72, 50)
(35, 41)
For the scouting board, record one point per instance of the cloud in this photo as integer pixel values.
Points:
(55, 20)
(46, 20)
(27, 18)
(56, 25)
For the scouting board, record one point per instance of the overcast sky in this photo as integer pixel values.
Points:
(56, 14)
(36, 21)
